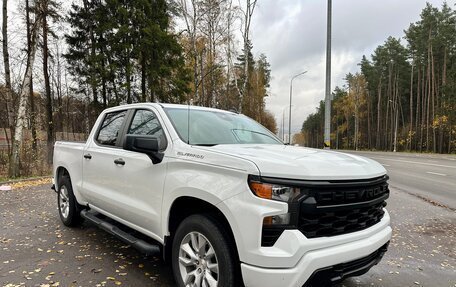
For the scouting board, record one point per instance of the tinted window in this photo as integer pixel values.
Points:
(110, 128)
(208, 127)
(145, 122)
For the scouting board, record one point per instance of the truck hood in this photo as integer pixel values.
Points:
(303, 163)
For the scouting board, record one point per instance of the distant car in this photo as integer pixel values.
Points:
(223, 198)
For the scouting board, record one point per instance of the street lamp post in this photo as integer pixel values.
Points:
(291, 95)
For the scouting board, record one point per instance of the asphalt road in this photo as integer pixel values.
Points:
(37, 250)
(430, 176)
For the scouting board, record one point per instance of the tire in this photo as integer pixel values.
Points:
(213, 265)
(69, 209)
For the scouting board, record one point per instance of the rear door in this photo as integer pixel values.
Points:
(102, 176)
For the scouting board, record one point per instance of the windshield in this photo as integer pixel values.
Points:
(213, 128)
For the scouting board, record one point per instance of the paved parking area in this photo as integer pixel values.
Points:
(37, 250)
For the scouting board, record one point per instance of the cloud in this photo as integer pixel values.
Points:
(292, 34)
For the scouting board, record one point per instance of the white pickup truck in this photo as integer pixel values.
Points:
(223, 199)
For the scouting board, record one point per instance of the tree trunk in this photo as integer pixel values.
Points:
(227, 105)
(203, 94)
(31, 97)
(250, 8)
(8, 146)
(444, 79)
(424, 92)
(411, 109)
(14, 170)
(6, 65)
(6, 62)
(128, 76)
(418, 97)
(449, 138)
(49, 111)
(387, 120)
(59, 88)
(434, 146)
(379, 114)
(428, 90)
(143, 79)
(92, 113)
(103, 86)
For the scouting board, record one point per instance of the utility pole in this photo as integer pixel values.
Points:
(291, 94)
(327, 140)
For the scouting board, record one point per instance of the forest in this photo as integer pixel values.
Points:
(63, 64)
(403, 98)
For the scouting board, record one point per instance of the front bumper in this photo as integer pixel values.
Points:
(337, 273)
(318, 260)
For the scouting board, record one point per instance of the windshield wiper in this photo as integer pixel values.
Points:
(204, 144)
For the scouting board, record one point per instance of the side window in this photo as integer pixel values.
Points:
(110, 128)
(145, 122)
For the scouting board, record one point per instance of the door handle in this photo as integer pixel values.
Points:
(88, 156)
(119, 161)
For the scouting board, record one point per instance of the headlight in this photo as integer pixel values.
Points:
(275, 192)
(274, 225)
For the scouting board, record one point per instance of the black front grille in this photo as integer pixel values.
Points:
(329, 208)
(343, 207)
(340, 222)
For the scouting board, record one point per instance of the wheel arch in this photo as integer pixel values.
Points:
(60, 172)
(184, 206)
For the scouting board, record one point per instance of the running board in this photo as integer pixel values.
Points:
(141, 245)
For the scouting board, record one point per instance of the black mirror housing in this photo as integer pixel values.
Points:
(144, 144)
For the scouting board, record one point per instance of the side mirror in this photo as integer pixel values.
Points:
(144, 144)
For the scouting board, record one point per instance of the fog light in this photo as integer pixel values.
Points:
(282, 219)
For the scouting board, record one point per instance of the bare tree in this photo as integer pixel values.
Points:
(6, 64)
(46, 10)
(190, 13)
(14, 170)
(230, 17)
(31, 95)
(248, 13)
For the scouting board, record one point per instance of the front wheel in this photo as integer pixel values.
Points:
(201, 254)
(69, 209)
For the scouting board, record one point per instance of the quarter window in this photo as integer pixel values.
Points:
(110, 127)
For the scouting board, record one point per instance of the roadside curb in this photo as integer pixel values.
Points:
(24, 179)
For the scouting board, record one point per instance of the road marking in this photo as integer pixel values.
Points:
(417, 162)
(436, 173)
(385, 164)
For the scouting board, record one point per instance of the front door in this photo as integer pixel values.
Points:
(143, 181)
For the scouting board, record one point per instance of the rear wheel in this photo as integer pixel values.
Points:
(201, 254)
(69, 209)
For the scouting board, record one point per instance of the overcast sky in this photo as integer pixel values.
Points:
(292, 34)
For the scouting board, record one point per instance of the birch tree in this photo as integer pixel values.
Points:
(14, 170)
